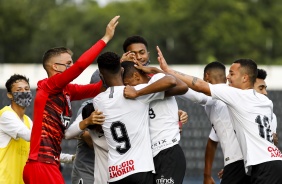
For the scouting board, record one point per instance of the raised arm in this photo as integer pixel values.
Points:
(179, 89)
(192, 82)
(162, 84)
(62, 79)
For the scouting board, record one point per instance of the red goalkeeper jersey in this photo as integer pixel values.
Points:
(52, 107)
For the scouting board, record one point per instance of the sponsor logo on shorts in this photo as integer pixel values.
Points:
(163, 180)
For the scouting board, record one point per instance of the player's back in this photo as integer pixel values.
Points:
(126, 129)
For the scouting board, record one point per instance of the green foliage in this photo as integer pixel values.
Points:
(187, 31)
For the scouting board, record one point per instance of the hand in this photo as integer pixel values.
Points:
(73, 157)
(183, 116)
(128, 56)
(162, 61)
(110, 29)
(130, 92)
(220, 174)
(275, 139)
(147, 69)
(208, 179)
(96, 117)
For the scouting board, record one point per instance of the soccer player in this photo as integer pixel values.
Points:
(222, 130)
(52, 107)
(83, 166)
(15, 130)
(163, 126)
(126, 125)
(260, 86)
(250, 113)
(136, 48)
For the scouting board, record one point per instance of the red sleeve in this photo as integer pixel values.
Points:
(59, 81)
(79, 92)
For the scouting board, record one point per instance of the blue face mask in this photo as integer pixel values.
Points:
(23, 99)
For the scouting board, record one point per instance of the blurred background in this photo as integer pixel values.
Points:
(190, 33)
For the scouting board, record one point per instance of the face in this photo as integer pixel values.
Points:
(140, 51)
(235, 77)
(131, 81)
(20, 86)
(260, 86)
(62, 62)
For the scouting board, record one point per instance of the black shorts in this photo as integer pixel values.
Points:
(137, 178)
(268, 172)
(170, 165)
(234, 173)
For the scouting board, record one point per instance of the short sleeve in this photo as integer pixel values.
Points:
(213, 136)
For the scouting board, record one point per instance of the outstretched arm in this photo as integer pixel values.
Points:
(180, 87)
(162, 84)
(62, 79)
(192, 82)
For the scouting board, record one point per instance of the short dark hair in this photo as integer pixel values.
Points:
(134, 39)
(86, 112)
(250, 67)
(129, 69)
(14, 78)
(262, 74)
(109, 61)
(54, 52)
(214, 65)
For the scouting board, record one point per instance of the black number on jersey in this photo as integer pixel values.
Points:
(122, 138)
(264, 128)
(152, 113)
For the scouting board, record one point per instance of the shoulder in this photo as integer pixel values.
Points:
(7, 112)
(156, 77)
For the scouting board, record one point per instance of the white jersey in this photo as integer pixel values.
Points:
(273, 124)
(218, 115)
(12, 127)
(251, 114)
(126, 129)
(101, 157)
(164, 128)
(213, 136)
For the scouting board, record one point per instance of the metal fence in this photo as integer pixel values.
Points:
(193, 140)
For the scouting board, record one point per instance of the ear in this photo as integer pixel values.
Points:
(10, 96)
(206, 77)
(54, 67)
(245, 78)
(121, 72)
(136, 76)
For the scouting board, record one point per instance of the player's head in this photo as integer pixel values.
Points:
(57, 60)
(214, 73)
(131, 75)
(139, 46)
(242, 74)
(18, 90)
(109, 67)
(260, 85)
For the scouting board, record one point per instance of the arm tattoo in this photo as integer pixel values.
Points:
(194, 81)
